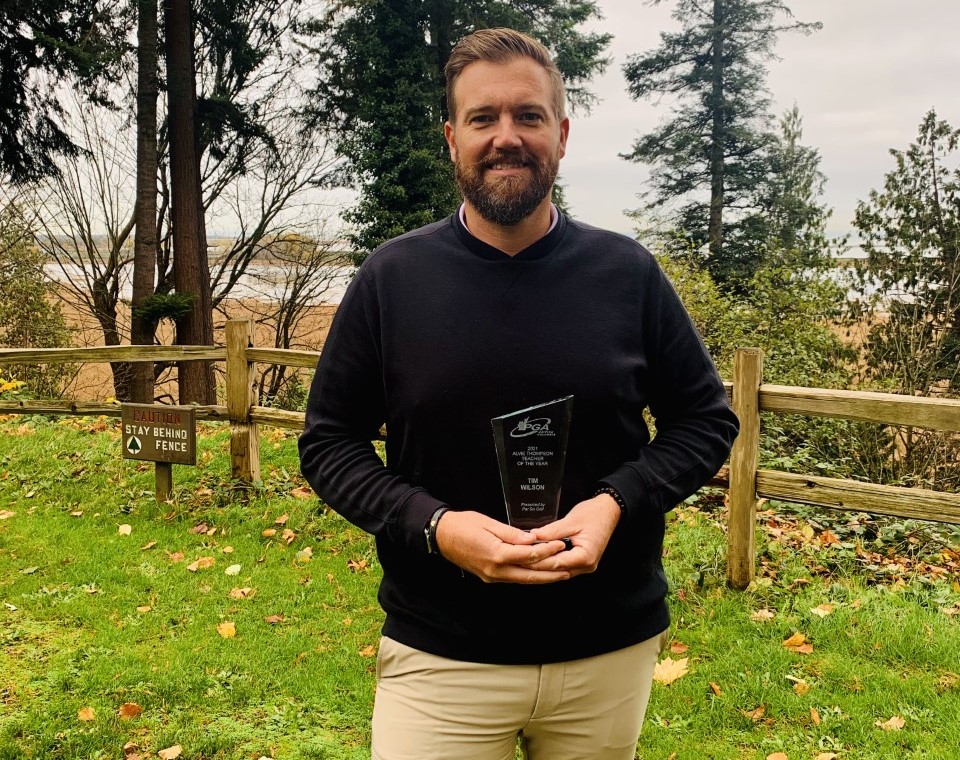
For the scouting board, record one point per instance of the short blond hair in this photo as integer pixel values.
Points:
(502, 45)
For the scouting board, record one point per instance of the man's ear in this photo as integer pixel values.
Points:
(448, 132)
(564, 132)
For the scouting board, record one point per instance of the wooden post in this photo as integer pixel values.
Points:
(241, 395)
(162, 481)
(741, 528)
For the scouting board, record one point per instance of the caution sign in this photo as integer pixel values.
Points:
(157, 433)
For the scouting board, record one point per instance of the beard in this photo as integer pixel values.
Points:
(506, 201)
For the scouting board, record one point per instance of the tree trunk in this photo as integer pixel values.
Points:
(191, 270)
(715, 228)
(142, 330)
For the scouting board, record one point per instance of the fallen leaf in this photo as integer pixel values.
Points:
(130, 749)
(827, 538)
(175, 557)
(145, 608)
(894, 724)
(125, 530)
(148, 545)
(282, 520)
(778, 756)
(199, 528)
(357, 566)
(78, 513)
(29, 570)
(242, 593)
(304, 554)
(715, 688)
(794, 641)
(678, 647)
(227, 550)
(233, 570)
(227, 630)
(11, 607)
(129, 710)
(201, 564)
(170, 753)
(762, 616)
(822, 610)
(368, 651)
(274, 619)
(669, 670)
(288, 536)
(86, 714)
(815, 716)
(757, 714)
(269, 533)
(6, 514)
(303, 492)
(826, 756)
(800, 688)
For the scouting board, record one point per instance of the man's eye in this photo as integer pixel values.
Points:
(533, 117)
(481, 119)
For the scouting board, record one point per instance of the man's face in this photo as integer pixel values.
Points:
(506, 139)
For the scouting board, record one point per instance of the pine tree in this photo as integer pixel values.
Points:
(708, 158)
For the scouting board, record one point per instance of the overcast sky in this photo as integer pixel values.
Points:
(862, 83)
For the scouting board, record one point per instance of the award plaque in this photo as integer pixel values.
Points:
(531, 450)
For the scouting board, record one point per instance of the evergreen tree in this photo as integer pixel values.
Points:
(44, 43)
(910, 280)
(381, 90)
(708, 158)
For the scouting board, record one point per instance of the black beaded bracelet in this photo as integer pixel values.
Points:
(430, 532)
(615, 495)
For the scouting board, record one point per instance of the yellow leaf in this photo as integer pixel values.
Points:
(125, 530)
(232, 570)
(6, 514)
(762, 616)
(778, 756)
(815, 716)
(175, 556)
(304, 554)
(715, 688)
(757, 714)
(368, 651)
(227, 630)
(269, 533)
(282, 520)
(800, 688)
(144, 608)
(147, 546)
(289, 536)
(86, 714)
(669, 670)
(129, 710)
(201, 564)
(678, 647)
(822, 610)
(227, 550)
(894, 724)
(826, 756)
(170, 753)
(794, 641)
(242, 593)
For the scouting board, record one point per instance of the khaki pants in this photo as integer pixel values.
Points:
(434, 708)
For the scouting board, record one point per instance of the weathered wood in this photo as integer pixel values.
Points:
(886, 408)
(163, 481)
(241, 395)
(741, 528)
(855, 496)
(280, 418)
(92, 354)
(284, 357)
(92, 409)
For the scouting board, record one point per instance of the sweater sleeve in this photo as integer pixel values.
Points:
(695, 426)
(345, 410)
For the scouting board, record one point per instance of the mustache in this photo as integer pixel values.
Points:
(507, 156)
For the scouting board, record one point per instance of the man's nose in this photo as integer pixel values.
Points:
(507, 135)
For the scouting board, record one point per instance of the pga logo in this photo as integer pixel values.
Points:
(527, 427)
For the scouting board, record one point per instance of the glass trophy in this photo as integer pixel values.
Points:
(531, 450)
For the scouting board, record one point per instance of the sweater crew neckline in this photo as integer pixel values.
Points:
(538, 250)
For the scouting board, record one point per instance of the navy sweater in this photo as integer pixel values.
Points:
(437, 334)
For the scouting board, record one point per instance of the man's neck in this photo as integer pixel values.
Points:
(515, 238)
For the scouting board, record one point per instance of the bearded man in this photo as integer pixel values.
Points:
(495, 634)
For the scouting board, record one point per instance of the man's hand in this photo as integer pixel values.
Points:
(495, 552)
(589, 526)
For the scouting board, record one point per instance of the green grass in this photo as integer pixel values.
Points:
(302, 688)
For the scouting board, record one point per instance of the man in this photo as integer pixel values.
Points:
(492, 632)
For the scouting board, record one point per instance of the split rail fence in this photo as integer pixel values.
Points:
(750, 396)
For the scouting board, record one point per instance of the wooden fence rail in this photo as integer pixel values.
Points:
(750, 397)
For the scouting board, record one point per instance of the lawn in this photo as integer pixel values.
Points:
(236, 624)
